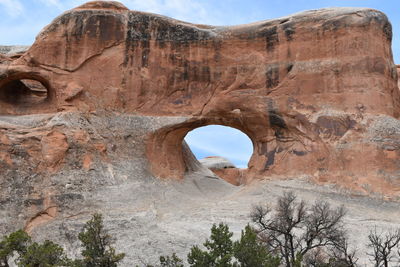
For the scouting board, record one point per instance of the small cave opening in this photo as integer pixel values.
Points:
(24, 92)
(224, 150)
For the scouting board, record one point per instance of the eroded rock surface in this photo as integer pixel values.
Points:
(300, 87)
(216, 162)
(11, 50)
(316, 93)
(225, 169)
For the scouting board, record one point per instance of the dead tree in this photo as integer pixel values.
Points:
(383, 246)
(342, 254)
(292, 230)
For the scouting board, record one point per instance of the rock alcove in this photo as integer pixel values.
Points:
(24, 92)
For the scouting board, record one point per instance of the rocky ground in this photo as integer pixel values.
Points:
(151, 218)
(147, 216)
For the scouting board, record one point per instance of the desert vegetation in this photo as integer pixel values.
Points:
(96, 249)
(292, 233)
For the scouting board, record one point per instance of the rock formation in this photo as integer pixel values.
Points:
(96, 110)
(398, 73)
(11, 50)
(215, 162)
(225, 169)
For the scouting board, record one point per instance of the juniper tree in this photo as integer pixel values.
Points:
(97, 245)
(249, 251)
(219, 250)
(13, 245)
(47, 254)
(222, 252)
(171, 261)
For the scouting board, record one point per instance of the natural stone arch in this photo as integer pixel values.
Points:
(167, 155)
(284, 82)
(24, 90)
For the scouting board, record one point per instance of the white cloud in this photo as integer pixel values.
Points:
(54, 3)
(23, 33)
(13, 8)
(187, 10)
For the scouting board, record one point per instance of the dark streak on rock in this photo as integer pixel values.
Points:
(272, 76)
(299, 153)
(217, 49)
(275, 118)
(289, 67)
(279, 134)
(78, 30)
(264, 148)
(334, 126)
(186, 68)
(387, 30)
(146, 27)
(382, 20)
(145, 45)
(332, 25)
(206, 75)
(271, 38)
(104, 27)
(270, 158)
(289, 31)
(128, 41)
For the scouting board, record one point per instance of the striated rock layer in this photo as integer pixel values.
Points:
(307, 89)
(98, 107)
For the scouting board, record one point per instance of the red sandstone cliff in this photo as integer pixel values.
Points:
(97, 109)
(316, 92)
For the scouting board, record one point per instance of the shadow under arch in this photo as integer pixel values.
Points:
(21, 91)
(165, 147)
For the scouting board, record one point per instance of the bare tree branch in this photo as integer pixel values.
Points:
(293, 230)
(382, 246)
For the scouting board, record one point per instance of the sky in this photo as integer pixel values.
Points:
(216, 140)
(22, 20)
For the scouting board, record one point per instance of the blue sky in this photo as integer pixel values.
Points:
(216, 140)
(21, 21)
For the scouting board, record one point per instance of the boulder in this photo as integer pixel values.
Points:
(215, 162)
(225, 169)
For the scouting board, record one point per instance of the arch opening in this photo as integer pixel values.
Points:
(220, 141)
(24, 92)
(170, 157)
(226, 151)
